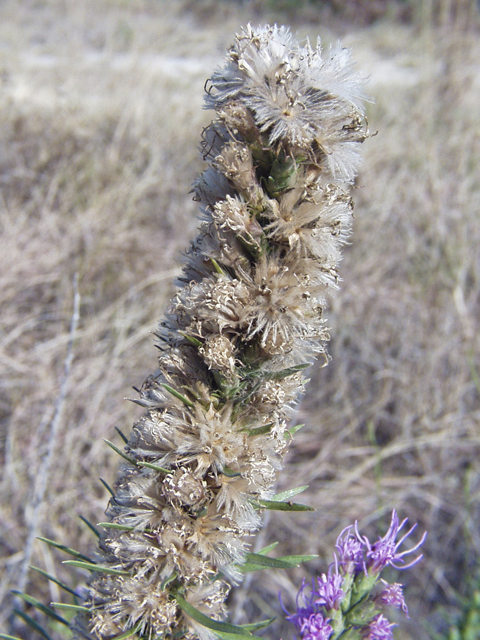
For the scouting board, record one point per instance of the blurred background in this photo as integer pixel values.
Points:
(100, 121)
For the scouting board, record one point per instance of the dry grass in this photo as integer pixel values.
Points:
(100, 112)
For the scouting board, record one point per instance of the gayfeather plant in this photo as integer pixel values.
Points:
(351, 600)
(248, 319)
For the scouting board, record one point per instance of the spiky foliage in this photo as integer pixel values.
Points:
(245, 323)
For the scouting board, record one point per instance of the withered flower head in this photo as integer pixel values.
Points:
(246, 322)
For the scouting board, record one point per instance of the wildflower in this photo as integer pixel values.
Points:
(392, 595)
(315, 627)
(349, 592)
(379, 629)
(384, 551)
(349, 551)
(329, 592)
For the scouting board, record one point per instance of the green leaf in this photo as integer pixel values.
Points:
(150, 465)
(129, 633)
(265, 550)
(41, 607)
(217, 267)
(90, 526)
(257, 562)
(95, 567)
(168, 580)
(122, 435)
(217, 626)
(285, 373)
(260, 431)
(283, 496)
(266, 561)
(177, 394)
(230, 473)
(3, 636)
(225, 635)
(114, 525)
(62, 547)
(70, 607)
(31, 623)
(300, 559)
(120, 452)
(293, 430)
(191, 339)
(108, 487)
(257, 625)
(283, 506)
(52, 579)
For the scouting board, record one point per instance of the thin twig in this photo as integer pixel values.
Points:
(52, 431)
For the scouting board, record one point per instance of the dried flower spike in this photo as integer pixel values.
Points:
(247, 320)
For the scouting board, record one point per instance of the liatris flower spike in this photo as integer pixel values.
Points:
(349, 601)
(282, 153)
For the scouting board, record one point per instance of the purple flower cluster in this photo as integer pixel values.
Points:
(309, 619)
(356, 552)
(349, 595)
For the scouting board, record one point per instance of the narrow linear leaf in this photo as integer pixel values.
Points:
(217, 267)
(259, 431)
(284, 506)
(3, 636)
(62, 547)
(108, 487)
(95, 567)
(289, 433)
(52, 579)
(114, 525)
(69, 607)
(122, 435)
(234, 636)
(90, 526)
(128, 633)
(31, 623)
(168, 580)
(41, 607)
(150, 465)
(285, 373)
(300, 559)
(265, 550)
(120, 452)
(257, 625)
(290, 493)
(230, 473)
(178, 395)
(191, 339)
(266, 561)
(216, 625)
(249, 567)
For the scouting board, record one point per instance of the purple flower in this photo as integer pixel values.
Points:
(315, 627)
(384, 551)
(310, 623)
(329, 592)
(379, 629)
(302, 612)
(350, 551)
(392, 595)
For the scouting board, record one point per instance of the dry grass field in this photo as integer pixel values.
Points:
(100, 120)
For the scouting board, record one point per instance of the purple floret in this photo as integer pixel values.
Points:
(329, 592)
(384, 551)
(379, 629)
(392, 596)
(349, 551)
